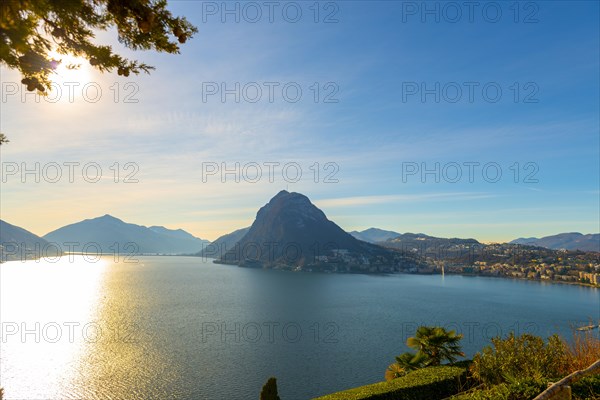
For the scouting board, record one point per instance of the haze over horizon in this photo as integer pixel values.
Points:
(365, 146)
(201, 236)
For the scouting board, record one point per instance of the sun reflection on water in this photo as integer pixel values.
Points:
(47, 313)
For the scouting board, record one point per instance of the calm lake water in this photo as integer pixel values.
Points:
(184, 328)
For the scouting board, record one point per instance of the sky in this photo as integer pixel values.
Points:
(454, 119)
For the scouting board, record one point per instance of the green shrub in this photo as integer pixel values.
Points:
(587, 388)
(423, 384)
(498, 392)
(526, 389)
(522, 357)
(520, 389)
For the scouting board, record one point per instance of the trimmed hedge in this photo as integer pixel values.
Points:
(422, 384)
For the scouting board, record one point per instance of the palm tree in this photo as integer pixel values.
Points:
(394, 371)
(437, 344)
(405, 363)
(410, 361)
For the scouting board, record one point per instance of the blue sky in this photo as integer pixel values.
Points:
(368, 61)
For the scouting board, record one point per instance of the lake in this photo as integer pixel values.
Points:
(185, 328)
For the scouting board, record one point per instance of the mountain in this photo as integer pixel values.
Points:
(566, 241)
(420, 238)
(176, 233)
(224, 243)
(431, 246)
(374, 235)
(529, 240)
(290, 232)
(19, 244)
(111, 235)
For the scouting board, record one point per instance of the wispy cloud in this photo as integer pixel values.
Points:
(400, 198)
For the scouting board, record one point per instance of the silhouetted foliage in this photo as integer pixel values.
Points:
(269, 390)
(31, 29)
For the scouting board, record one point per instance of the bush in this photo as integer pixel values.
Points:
(523, 357)
(520, 368)
(269, 390)
(525, 389)
(519, 390)
(582, 351)
(423, 384)
(587, 388)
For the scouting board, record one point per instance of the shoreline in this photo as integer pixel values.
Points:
(422, 274)
(524, 279)
(589, 285)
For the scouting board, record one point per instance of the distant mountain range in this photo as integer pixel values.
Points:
(291, 232)
(19, 244)
(223, 244)
(107, 230)
(374, 235)
(561, 241)
(564, 241)
(288, 230)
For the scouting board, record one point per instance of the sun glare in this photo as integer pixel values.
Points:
(70, 69)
